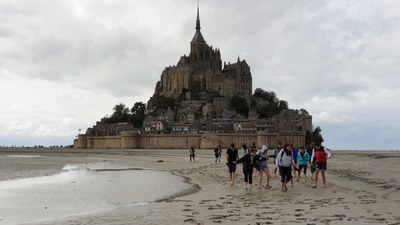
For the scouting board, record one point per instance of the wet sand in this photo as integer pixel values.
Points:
(363, 188)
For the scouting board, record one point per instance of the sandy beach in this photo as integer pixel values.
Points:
(363, 188)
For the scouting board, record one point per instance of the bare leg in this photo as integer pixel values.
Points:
(286, 185)
(323, 177)
(259, 178)
(316, 177)
(268, 176)
(298, 175)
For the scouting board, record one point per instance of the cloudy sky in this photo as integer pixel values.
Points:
(64, 64)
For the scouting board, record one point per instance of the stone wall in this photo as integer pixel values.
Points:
(104, 142)
(168, 141)
(131, 140)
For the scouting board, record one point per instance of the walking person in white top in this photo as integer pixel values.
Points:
(284, 161)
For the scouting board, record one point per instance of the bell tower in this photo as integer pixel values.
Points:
(198, 49)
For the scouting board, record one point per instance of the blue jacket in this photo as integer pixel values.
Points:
(303, 160)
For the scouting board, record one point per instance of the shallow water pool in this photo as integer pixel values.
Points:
(79, 190)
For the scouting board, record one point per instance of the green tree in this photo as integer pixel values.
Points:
(253, 103)
(266, 111)
(259, 93)
(303, 112)
(138, 108)
(120, 114)
(282, 105)
(240, 105)
(274, 106)
(137, 116)
(314, 136)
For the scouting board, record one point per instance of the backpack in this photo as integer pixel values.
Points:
(282, 155)
(294, 166)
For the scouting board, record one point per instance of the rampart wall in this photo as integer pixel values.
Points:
(130, 140)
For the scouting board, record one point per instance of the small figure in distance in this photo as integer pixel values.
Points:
(192, 154)
(217, 153)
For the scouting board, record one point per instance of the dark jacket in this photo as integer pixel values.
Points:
(247, 164)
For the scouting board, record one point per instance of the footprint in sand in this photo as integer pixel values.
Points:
(190, 221)
(213, 207)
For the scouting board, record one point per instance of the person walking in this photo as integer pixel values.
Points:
(263, 166)
(277, 149)
(245, 149)
(217, 153)
(303, 159)
(321, 154)
(249, 161)
(311, 163)
(192, 154)
(284, 161)
(295, 152)
(231, 156)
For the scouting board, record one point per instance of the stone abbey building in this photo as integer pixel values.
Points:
(201, 87)
(204, 67)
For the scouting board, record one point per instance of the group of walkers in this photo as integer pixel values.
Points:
(288, 160)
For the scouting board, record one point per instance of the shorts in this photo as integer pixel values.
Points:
(262, 166)
(321, 166)
(231, 167)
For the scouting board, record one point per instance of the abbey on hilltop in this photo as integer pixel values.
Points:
(203, 70)
(203, 102)
(198, 88)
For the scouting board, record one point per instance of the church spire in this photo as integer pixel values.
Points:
(198, 37)
(198, 17)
